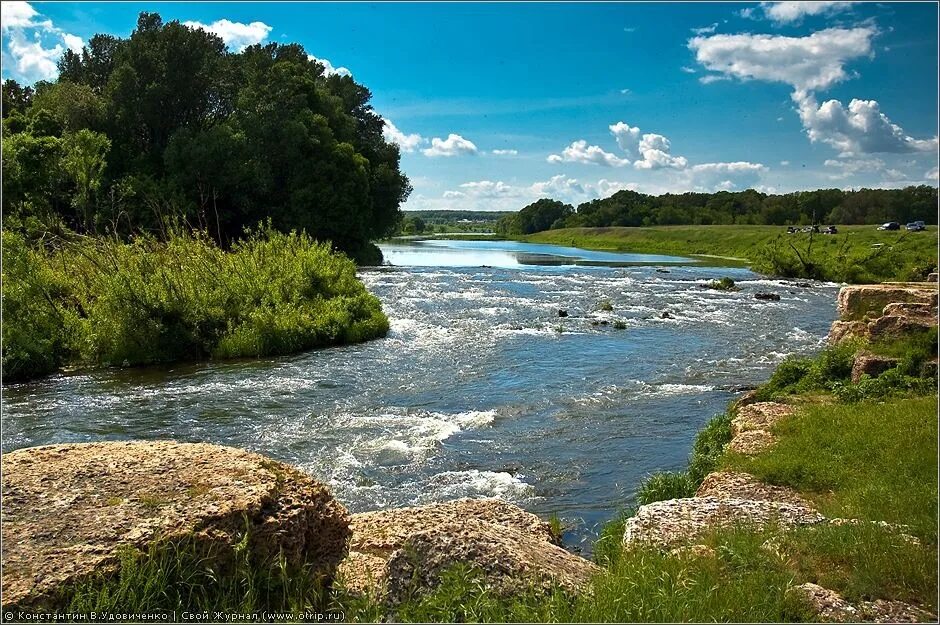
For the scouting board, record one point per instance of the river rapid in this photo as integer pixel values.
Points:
(480, 389)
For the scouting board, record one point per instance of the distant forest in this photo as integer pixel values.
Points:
(167, 126)
(824, 206)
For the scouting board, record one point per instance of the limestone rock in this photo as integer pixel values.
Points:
(752, 442)
(846, 330)
(857, 301)
(831, 607)
(759, 416)
(898, 325)
(67, 509)
(749, 397)
(866, 363)
(678, 521)
(730, 484)
(932, 277)
(483, 532)
(509, 561)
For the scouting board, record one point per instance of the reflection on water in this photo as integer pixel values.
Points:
(509, 254)
(480, 388)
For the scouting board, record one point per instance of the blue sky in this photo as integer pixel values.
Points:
(496, 105)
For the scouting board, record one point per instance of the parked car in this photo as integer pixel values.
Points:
(891, 225)
(831, 230)
(915, 226)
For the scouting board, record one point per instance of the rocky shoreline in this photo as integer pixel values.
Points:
(69, 510)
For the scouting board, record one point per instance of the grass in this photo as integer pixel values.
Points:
(870, 460)
(89, 302)
(846, 257)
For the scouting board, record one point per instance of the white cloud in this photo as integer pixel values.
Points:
(488, 189)
(933, 174)
(806, 63)
(628, 138)
(688, 70)
(505, 152)
(625, 91)
(787, 12)
(724, 176)
(705, 30)
(857, 129)
(328, 69)
(581, 152)
(453, 145)
(33, 45)
(407, 143)
(784, 163)
(236, 35)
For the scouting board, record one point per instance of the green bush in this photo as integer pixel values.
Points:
(100, 302)
(891, 383)
(708, 447)
(725, 284)
(665, 485)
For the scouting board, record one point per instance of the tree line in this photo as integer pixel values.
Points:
(168, 126)
(630, 208)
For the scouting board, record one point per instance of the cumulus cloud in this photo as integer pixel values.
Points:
(33, 45)
(236, 35)
(453, 145)
(725, 176)
(933, 174)
(328, 69)
(488, 189)
(581, 152)
(789, 12)
(505, 152)
(650, 150)
(859, 128)
(407, 143)
(806, 63)
(627, 137)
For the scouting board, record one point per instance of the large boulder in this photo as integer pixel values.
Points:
(872, 365)
(395, 553)
(759, 416)
(847, 330)
(896, 326)
(858, 301)
(68, 510)
(829, 606)
(678, 521)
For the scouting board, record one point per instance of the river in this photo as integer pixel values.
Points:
(480, 388)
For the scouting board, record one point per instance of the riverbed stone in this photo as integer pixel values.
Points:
(68, 510)
(737, 485)
(676, 521)
(512, 549)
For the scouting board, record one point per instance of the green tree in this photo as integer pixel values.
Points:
(83, 160)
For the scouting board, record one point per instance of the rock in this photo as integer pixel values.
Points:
(899, 325)
(562, 312)
(830, 607)
(773, 297)
(509, 561)
(910, 309)
(932, 277)
(827, 605)
(866, 363)
(733, 485)
(484, 532)
(693, 551)
(929, 369)
(804, 285)
(748, 398)
(67, 509)
(666, 315)
(677, 521)
(761, 415)
(846, 330)
(857, 301)
(661, 270)
(752, 442)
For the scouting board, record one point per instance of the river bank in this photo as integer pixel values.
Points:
(830, 450)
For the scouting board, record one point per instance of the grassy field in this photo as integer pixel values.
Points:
(856, 254)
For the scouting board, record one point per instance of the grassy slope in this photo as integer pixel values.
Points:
(746, 242)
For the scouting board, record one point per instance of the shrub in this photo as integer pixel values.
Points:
(891, 383)
(665, 485)
(708, 447)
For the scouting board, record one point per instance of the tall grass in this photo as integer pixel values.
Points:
(99, 302)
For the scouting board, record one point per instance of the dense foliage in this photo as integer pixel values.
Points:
(169, 124)
(831, 206)
(99, 301)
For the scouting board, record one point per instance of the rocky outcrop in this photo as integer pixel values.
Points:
(857, 301)
(752, 442)
(395, 553)
(734, 485)
(884, 310)
(770, 297)
(830, 607)
(872, 365)
(759, 416)
(69, 509)
(677, 521)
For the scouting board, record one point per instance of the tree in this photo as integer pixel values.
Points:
(83, 160)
